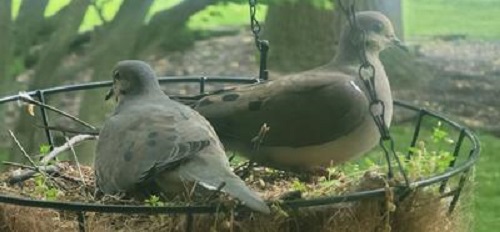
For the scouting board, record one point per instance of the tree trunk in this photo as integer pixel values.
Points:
(29, 23)
(107, 50)
(167, 29)
(51, 57)
(6, 78)
(301, 36)
(5, 45)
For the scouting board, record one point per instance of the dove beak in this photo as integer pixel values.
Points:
(396, 42)
(109, 94)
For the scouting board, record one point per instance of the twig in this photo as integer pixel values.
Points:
(259, 139)
(44, 168)
(218, 190)
(68, 130)
(76, 160)
(23, 151)
(21, 176)
(71, 142)
(14, 164)
(257, 142)
(37, 169)
(35, 102)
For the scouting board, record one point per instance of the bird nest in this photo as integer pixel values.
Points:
(355, 196)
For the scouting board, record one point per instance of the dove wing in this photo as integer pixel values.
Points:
(292, 106)
(140, 142)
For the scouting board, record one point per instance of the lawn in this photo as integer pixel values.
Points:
(475, 18)
(487, 199)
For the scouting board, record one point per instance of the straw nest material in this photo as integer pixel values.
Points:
(422, 210)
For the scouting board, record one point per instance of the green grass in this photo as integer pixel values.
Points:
(487, 199)
(487, 174)
(475, 18)
(225, 15)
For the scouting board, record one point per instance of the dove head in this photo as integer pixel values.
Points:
(133, 78)
(378, 35)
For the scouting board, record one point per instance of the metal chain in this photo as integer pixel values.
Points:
(254, 23)
(367, 74)
(262, 45)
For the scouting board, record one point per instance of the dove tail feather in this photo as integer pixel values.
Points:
(234, 186)
(237, 188)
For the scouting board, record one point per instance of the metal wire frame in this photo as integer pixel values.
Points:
(80, 208)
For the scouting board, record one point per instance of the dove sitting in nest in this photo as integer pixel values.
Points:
(151, 140)
(315, 118)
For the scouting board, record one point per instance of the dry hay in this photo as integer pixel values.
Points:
(420, 211)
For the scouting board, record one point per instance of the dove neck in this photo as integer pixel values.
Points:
(348, 60)
(348, 54)
(144, 90)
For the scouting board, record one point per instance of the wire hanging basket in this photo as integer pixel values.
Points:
(447, 189)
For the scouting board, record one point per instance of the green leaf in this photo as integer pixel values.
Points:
(299, 186)
(44, 149)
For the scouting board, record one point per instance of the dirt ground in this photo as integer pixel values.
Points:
(469, 76)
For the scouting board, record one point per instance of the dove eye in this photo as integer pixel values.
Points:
(116, 75)
(378, 27)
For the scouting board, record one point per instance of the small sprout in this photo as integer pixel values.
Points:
(299, 186)
(51, 194)
(369, 162)
(331, 172)
(154, 201)
(329, 184)
(438, 134)
(44, 149)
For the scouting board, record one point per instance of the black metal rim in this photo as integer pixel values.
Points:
(454, 170)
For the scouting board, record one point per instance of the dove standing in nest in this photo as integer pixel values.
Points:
(153, 140)
(315, 118)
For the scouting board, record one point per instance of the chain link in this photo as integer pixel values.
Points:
(262, 45)
(254, 23)
(367, 74)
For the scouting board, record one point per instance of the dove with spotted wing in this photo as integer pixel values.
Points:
(152, 139)
(316, 117)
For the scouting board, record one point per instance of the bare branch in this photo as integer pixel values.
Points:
(76, 159)
(64, 129)
(35, 102)
(68, 145)
(20, 176)
(21, 148)
(36, 168)
(14, 164)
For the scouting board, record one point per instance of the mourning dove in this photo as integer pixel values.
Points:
(315, 118)
(151, 139)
